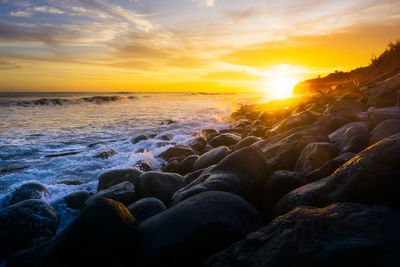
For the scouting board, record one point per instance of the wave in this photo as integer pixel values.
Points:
(62, 101)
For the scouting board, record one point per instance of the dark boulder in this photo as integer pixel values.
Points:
(190, 177)
(196, 228)
(25, 222)
(354, 139)
(344, 234)
(377, 115)
(349, 108)
(75, 200)
(71, 182)
(122, 192)
(139, 138)
(240, 173)
(186, 165)
(226, 139)
(105, 154)
(29, 191)
(159, 185)
(370, 177)
(384, 129)
(294, 121)
(198, 143)
(314, 155)
(332, 122)
(165, 137)
(211, 157)
(384, 95)
(177, 151)
(103, 234)
(146, 208)
(249, 140)
(116, 176)
(337, 135)
(144, 165)
(209, 133)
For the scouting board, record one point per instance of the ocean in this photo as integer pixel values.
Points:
(35, 128)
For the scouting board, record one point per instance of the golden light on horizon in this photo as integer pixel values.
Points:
(280, 87)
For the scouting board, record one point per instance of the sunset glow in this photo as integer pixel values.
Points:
(186, 45)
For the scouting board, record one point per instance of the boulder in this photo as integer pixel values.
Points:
(344, 234)
(314, 155)
(160, 185)
(377, 115)
(177, 151)
(354, 139)
(186, 165)
(240, 173)
(278, 184)
(384, 129)
(349, 108)
(370, 177)
(336, 135)
(196, 228)
(139, 138)
(143, 165)
(25, 222)
(29, 191)
(71, 182)
(103, 234)
(249, 140)
(116, 176)
(384, 95)
(146, 208)
(294, 121)
(198, 143)
(226, 139)
(105, 154)
(190, 177)
(211, 157)
(332, 122)
(209, 133)
(122, 192)
(77, 199)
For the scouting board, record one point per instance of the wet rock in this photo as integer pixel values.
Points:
(165, 137)
(146, 208)
(249, 140)
(24, 222)
(332, 122)
(116, 176)
(346, 107)
(377, 115)
(177, 151)
(371, 177)
(197, 228)
(384, 129)
(344, 234)
(186, 165)
(314, 155)
(29, 191)
(159, 185)
(198, 143)
(211, 157)
(225, 139)
(297, 120)
(337, 135)
(190, 177)
(77, 199)
(240, 173)
(172, 166)
(354, 139)
(209, 133)
(71, 182)
(278, 184)
(56, 155)
(103, 234)
(143, 165)
(258, 131)
(123, 192)
(105, 154)
(139, 138)
(384, 95)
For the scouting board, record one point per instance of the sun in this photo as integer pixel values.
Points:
(280, 87)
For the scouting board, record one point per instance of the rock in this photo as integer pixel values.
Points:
(276, 186)
(172, 166)
(122, 192)
(297, 120)
(346, 107)
(329, 167)
(385, 95)
(314, 155)
(198, 143)
(196, 228)
(25, 222)
(354, 139)
(177, 151)
(105, 154)
(103, 234)
(186, 165)
(71, 182)
(225, 139)
(143, 165)
(77, 199)
(29, 191)
(332, 122)
(139, 138)
(207, 133)
(165, 137)
(116, 176)
(343, 234)
(190, 177)
(377, 115)
(336, 135)
(146, 208)
(159, 185)
(56, 155)
(384, 129)
(249, 140)
(211, 157)
(240, 173)
(371, 177)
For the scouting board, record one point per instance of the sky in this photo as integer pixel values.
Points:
(186, 45)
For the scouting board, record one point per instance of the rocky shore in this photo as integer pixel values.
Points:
(308, 181)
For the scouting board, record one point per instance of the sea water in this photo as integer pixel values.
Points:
(36, 125)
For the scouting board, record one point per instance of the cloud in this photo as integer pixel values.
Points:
(208, 3)
(20, 14)
(232, 76)
(48, 9)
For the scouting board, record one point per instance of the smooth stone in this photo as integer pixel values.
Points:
(105, 154)
(249, 140)
(378, 115)
(77, 199)
(122, 192)
(71, 182)
(211, 157)
(336, 135)
(159, 185)
(314, 155)
(385, 95)
(346, 107)
(25, 222)
(332, 122)
(226, 139)
(177, 151)
(146, 208)
(354, 139)
(139, 138)
(186, 165)
(208, 132)
(143, 165)
(294, 121)
(384, 129)
(198, 143)
(188, 233)
(29, 191)
(343, 234)
(116, 176)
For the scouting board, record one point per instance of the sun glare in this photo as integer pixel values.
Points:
(281, 87)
